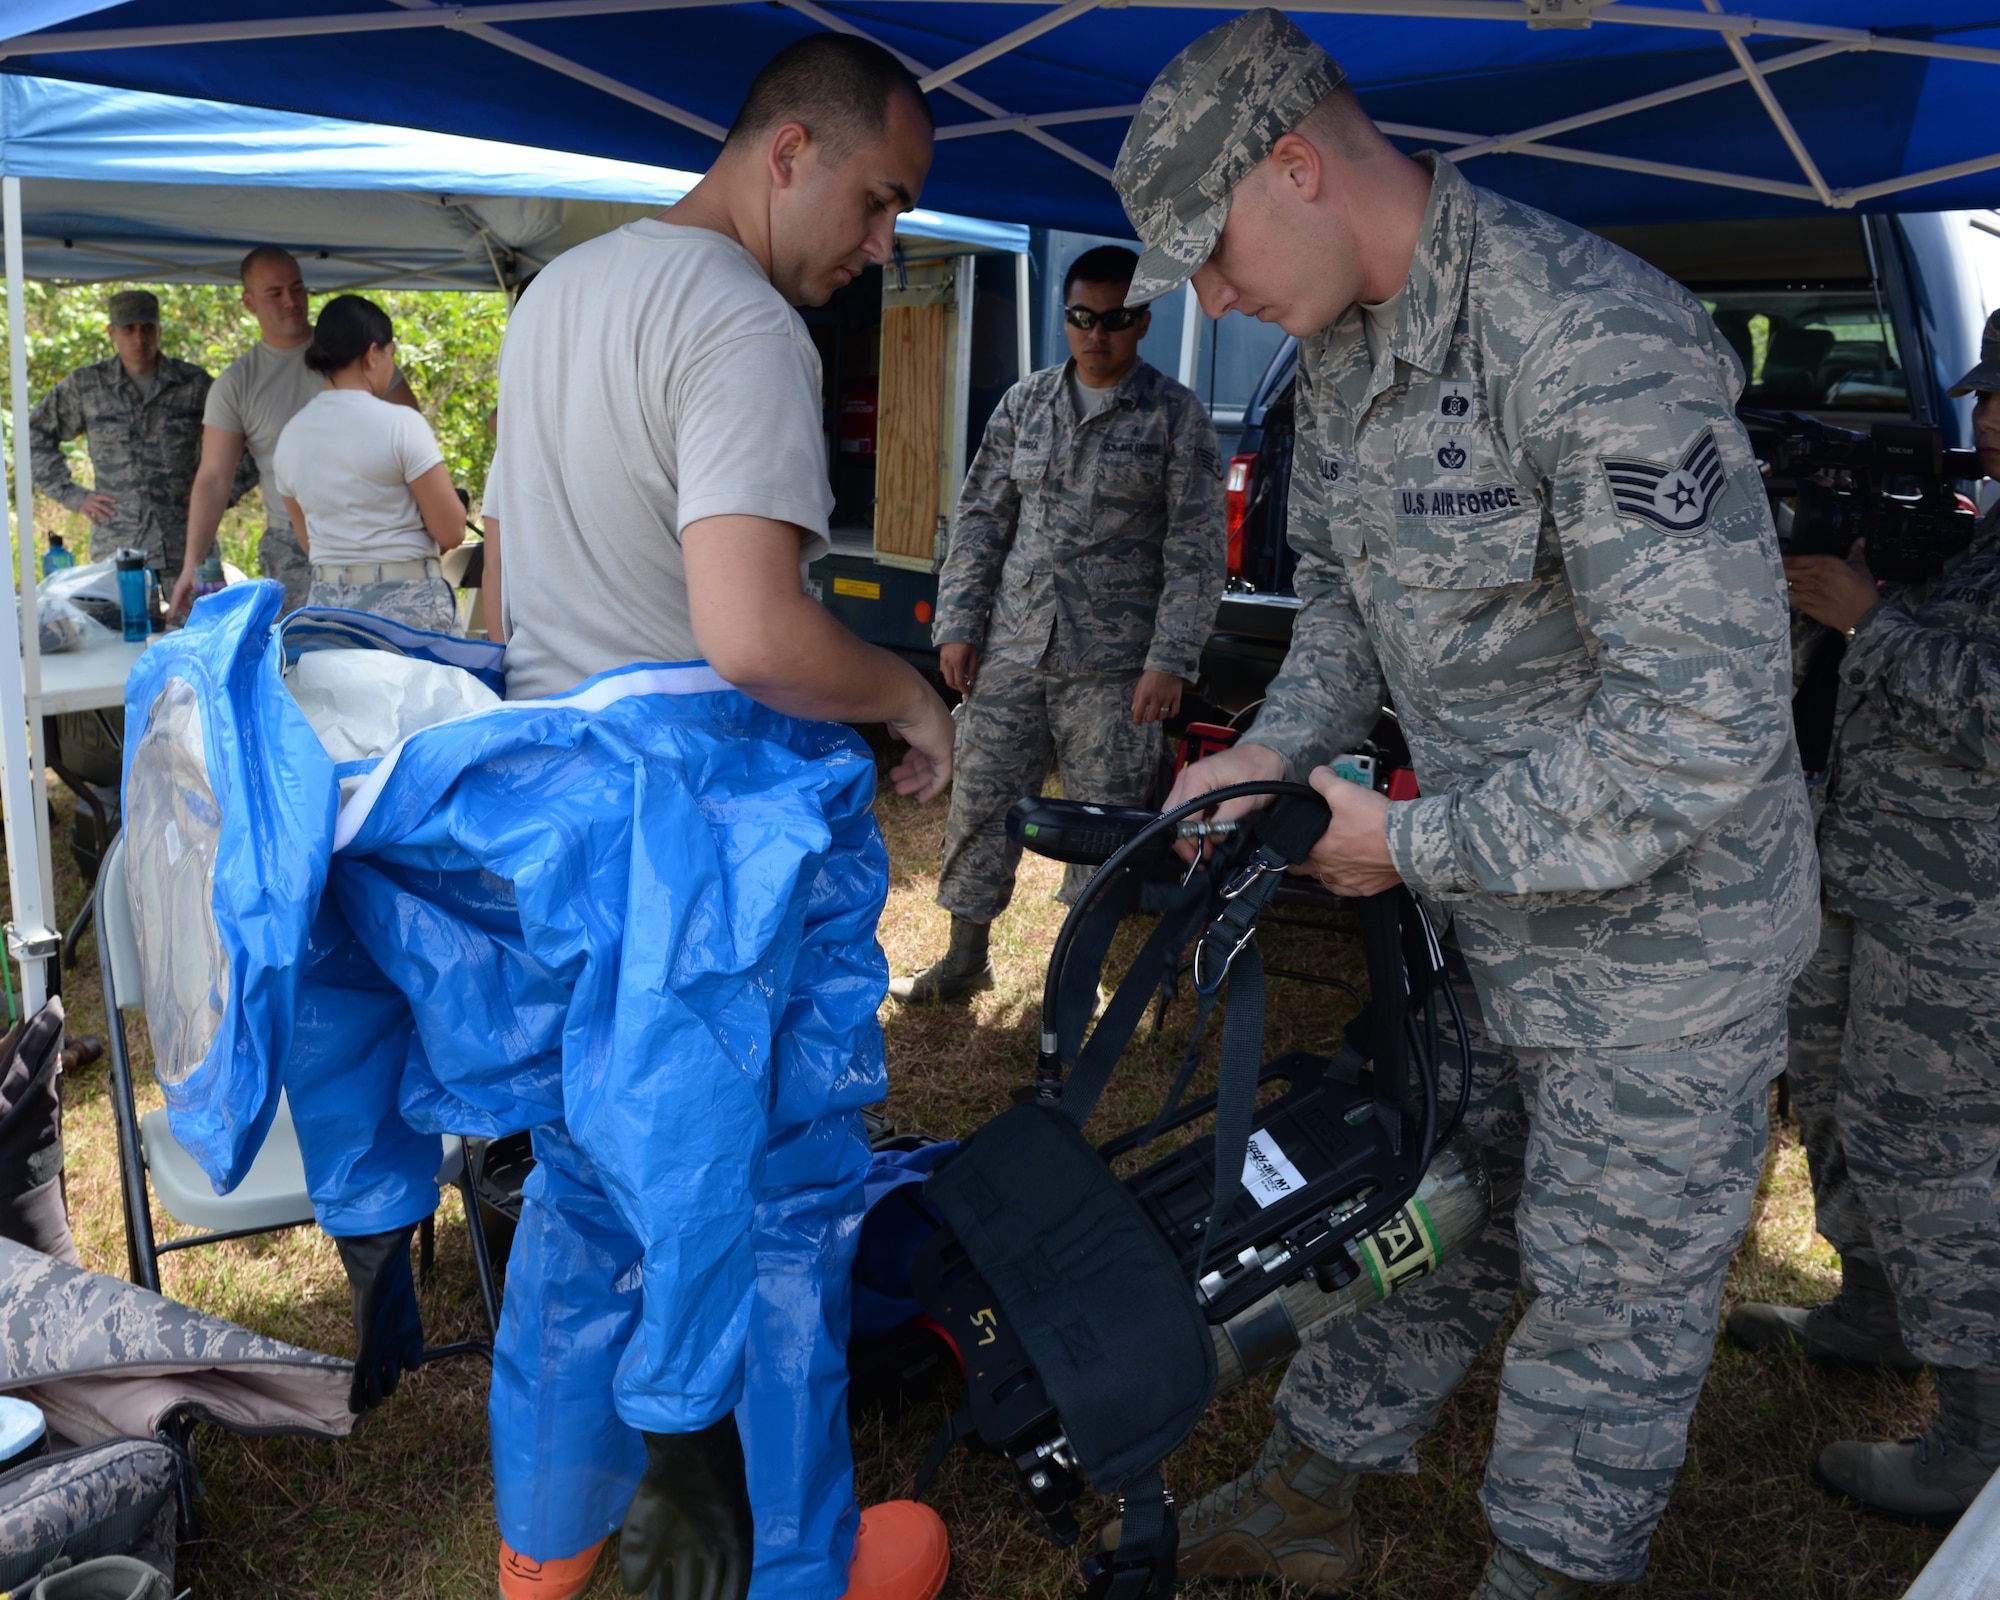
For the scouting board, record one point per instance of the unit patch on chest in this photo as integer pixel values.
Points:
(1675, 497)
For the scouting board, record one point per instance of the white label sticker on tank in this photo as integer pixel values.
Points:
(1267, 1173)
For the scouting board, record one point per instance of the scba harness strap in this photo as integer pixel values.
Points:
(1082, 1307)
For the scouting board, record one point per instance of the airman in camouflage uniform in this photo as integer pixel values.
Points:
(1086, 565)
(1524, 506)
(1895, 1061)
(141, 414)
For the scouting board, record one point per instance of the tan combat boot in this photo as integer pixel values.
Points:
(1935, 1476)
(1856, 1328)
(965, 970)
(1291, 1518)
(1512, 1576)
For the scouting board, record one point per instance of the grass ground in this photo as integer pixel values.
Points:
(404, 1509)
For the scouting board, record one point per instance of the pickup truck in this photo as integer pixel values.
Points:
(1853, 320)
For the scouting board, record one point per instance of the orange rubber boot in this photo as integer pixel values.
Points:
(901, 1553)
(524, 1578)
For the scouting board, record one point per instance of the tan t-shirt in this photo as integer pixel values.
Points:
(257, 394)
(653, 377)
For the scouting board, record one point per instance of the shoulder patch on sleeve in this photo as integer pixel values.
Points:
(1676, 499)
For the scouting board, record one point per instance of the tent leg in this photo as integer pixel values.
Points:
(141, 1254)
(30, 940)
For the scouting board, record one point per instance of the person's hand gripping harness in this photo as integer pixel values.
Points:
(688, 1532)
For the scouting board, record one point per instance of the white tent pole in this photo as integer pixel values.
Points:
(1776, 112)
(1024, 314)
(315, 27)
(1591, 158)
(1190, 362)
(1047, 23)
(1736, 24)
(20, 692)
(597, 80)
(1917, 180)
(1644, 102)
(979, 102)
(1047, 119)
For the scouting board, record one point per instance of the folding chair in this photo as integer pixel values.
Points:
(272, 1195)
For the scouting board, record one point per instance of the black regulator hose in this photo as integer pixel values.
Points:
(1051, 1045)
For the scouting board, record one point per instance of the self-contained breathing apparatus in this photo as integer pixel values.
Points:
(1094, 1318)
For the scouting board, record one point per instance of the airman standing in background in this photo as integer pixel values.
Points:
(1086, 564)
(1895, 1027)
(140, 412)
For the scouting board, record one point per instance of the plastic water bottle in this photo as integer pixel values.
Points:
(57, 556)
(131, 568)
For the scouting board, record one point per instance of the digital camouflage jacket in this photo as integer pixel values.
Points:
(144, 450)
(1092, 546)
(1911, 832)
(1537, 521)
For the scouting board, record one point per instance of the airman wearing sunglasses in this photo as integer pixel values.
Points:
(1086, 565)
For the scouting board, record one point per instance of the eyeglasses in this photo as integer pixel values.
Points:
(1114, 321)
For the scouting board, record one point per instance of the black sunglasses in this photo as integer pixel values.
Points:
(1114, 321)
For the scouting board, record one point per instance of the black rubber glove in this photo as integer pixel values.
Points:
(388, 1331)
(688, 1533)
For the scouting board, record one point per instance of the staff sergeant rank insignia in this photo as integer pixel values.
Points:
(1676, 499)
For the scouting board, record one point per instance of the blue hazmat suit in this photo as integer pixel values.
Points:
(638, 919)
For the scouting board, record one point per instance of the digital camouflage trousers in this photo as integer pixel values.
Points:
(420, 602)
(1895, 1077)
(1623, 1181)
(279, 557)
(1017, 721)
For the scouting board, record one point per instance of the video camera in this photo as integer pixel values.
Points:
(1895, 491)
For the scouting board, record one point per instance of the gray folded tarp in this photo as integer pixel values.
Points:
(104, 1358)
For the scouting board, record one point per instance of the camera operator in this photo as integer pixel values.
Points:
(1895, 1026)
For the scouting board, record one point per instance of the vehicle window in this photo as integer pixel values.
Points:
(1817, 349)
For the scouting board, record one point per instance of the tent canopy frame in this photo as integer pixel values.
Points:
(485, 22)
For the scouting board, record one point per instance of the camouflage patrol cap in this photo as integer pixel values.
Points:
(134, 305)
(1985, 377)
(1211, 115)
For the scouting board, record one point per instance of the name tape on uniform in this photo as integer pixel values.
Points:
(1476, 502)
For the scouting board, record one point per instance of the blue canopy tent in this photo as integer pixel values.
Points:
(1603, 111)
(101, 184)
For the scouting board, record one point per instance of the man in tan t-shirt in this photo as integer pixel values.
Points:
(660, 477)
(257, 394)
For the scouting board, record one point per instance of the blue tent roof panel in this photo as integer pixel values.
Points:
(615, 78)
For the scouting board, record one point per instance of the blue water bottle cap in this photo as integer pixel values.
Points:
(23, 1430)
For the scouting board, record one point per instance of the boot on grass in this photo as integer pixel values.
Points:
(564, 1578)
(1290, 1519)
(1512, 1576)
(1856, 1328)
(965, 971)
(1936, 1475)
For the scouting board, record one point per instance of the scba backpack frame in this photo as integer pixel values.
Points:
(1096, 1318)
